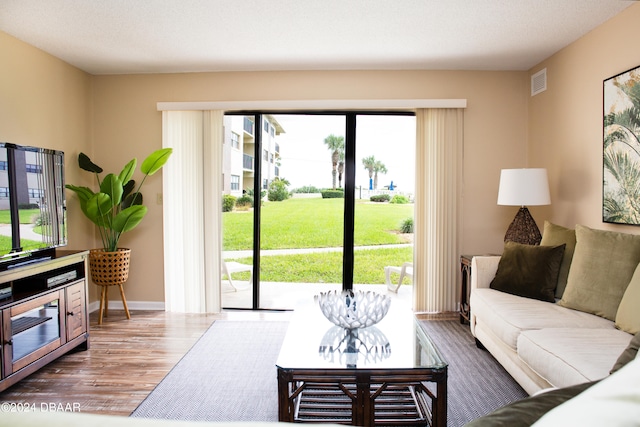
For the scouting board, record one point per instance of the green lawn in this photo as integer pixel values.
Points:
(26, 216)
(327, 267)
(317, 223)
(314, 223)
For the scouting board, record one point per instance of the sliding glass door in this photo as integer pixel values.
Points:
(384, 196)
(301, 217)
(301, 226)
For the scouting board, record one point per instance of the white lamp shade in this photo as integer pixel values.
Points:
(524, 187)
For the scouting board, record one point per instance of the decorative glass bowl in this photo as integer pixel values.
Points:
(353, 309)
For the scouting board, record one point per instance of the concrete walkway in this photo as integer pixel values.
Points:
(26, 232)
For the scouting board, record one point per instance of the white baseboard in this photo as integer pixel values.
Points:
(133, 305)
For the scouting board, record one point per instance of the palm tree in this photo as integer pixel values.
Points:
(378, 167)
(335, 144)
(340, 168)
(369, 163)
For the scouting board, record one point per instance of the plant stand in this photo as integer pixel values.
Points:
(109, 269)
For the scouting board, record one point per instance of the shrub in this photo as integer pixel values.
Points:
(244, 203)
(399, 199)
(28, 206)
(278, 191)
(40, 220)
(307, 189)
(250, 193)
(332, 194)
(228, 202)
(380, 198)
(407, 226)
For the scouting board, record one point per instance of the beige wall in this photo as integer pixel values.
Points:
(45, 102)
(127, 123)
(565, 122)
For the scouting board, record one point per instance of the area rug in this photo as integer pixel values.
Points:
(477, 384)
(230, 375)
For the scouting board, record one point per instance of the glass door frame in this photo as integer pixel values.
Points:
(349, 186)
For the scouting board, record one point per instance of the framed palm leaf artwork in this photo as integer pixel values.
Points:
(621, 148)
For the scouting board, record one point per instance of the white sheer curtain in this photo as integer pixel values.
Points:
(192, 210)
(439, 144)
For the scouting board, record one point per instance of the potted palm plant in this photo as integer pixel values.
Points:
(115, 208)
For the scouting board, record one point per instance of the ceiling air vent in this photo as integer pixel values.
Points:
(539, 82)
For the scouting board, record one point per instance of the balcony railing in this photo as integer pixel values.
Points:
(247, 162)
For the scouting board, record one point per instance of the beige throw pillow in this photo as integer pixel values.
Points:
(554, 235)
(602, 267)
(628, 316)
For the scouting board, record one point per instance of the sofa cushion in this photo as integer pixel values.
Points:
(554, 235)
(628, 315)
(529, 271)
(629, 353)
(602, 266)
(525, 412)
(568, 356)
(507, 315)
(614, 401)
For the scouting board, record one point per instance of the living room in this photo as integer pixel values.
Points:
(48, 102)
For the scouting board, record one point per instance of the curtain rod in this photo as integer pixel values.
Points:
(315, 104)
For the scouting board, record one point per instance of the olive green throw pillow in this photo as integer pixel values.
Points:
(603, 264)
(628, 315)
(529, 271)
(554, 235)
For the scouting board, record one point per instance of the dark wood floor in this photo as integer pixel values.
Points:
(126, 360)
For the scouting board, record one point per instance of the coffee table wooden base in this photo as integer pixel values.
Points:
(364, 397)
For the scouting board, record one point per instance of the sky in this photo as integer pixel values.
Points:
(306, 160)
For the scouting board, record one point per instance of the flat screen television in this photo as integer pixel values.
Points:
(32, 204)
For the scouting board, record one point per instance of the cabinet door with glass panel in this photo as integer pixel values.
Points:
(31, 330)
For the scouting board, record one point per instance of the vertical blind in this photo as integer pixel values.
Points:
(191, 186)
(439, 142)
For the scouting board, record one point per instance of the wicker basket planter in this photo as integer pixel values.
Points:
(109, 269)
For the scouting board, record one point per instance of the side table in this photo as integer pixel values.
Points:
(465, 284)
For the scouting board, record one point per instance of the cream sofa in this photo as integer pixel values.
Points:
(545, 344)
(612, 401)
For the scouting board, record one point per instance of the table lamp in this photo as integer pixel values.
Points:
(523, 187)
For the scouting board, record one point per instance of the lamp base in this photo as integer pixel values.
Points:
(523, 229)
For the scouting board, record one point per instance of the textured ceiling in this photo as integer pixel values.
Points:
(156, 36)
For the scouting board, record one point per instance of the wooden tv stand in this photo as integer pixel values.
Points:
(46, 315)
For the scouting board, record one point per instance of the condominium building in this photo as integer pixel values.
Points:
(239, 155)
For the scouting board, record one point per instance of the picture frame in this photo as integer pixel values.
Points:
(621, 148)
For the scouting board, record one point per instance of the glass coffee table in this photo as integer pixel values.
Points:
(388, 374)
